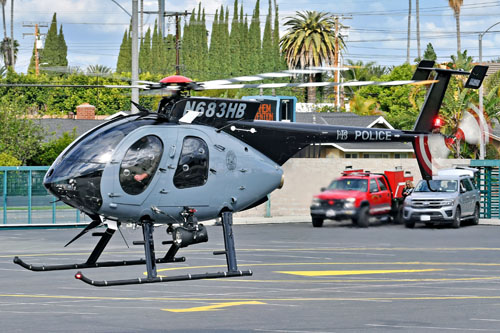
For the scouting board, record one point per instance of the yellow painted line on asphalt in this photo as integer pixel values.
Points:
(331, 249)
(357, 272)
(264, 300)
(213, 307)
(416, 263)
(364, 280)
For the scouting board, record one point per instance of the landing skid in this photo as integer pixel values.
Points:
(190, 232)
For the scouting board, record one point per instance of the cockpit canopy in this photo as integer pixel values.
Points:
(75, 176)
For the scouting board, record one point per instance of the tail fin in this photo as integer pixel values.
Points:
(435, 95)
(430, 148)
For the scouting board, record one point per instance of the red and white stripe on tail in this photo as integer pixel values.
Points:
(430, 149)
(469, 128)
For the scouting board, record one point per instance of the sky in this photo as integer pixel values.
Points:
(93, 29)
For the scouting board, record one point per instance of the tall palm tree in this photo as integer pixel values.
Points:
(3, 2)
(417, 15)
(409, 33)
(310, 41)
(455, 5)
(6, 51)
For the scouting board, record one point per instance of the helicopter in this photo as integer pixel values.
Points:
(199, 158)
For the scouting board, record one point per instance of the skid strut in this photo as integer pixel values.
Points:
(92, 260)
(232, 267)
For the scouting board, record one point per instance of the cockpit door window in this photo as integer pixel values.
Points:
(140, 163)
(192, 169)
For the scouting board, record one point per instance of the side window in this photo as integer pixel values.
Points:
(373, 186)
(467, 184)
(381, 184)
(192, 169)
(140, 164)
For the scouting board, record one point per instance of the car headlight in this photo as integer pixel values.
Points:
(316, 202)
(447, 203)
(349, 203)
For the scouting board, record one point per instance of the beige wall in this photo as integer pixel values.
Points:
(305, 176)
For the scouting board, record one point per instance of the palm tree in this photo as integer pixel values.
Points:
(6, 51)
(409, 33)
(417, 14)
(98, 69)
(3, 2)
(455, 5)
(310, 41)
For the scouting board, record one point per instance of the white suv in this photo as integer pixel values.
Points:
(450, 197)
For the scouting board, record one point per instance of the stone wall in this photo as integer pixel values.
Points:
(305, 176)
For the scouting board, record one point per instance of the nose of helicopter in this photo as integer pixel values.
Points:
(75, 185)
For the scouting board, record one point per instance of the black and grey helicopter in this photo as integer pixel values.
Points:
(199, 158)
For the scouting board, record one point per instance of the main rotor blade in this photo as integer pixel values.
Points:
(319, 84)
(264, 76)
(71, 85)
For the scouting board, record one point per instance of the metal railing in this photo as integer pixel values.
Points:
(25, 201)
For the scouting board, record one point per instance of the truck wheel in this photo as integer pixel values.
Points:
(410, 224)
(456, 221)
(363, 217)
(317, 222)
(475, 217)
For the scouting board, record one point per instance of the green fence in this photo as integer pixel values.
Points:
(26, 201)
(488, 180)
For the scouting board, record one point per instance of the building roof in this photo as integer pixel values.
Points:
(57, 126)
(340, 119)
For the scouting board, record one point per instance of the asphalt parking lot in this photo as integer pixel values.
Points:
(331, 279)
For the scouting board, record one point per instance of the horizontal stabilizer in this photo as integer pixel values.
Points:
(476, 77)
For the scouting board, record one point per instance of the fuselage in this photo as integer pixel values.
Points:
(135, 167)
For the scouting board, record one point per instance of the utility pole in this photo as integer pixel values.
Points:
(135, 56)
(161, 16)
(336, 59)
(177, 34)
(12, 53)
(38, 41)
(336, 64)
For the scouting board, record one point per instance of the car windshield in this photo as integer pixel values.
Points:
(349, 185)
(437, 185)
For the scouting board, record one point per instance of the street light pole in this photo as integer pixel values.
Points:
(482, 128)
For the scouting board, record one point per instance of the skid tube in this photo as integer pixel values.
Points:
(43, 268)
(186, 277)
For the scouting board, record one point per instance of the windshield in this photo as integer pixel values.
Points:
(437, 186)
(349, 185)
(95, 149)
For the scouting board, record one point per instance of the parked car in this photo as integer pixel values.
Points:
(449, 198)
(358, 196)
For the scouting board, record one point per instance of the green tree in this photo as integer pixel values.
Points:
(268, 61)
(145, 53)
(429, 54)
(20, 136)
(310, 41)
(400, 104)
(50, 150)
(54, 51)
(124, 62)
(63, 49)
(8, 160)
(254, 41)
